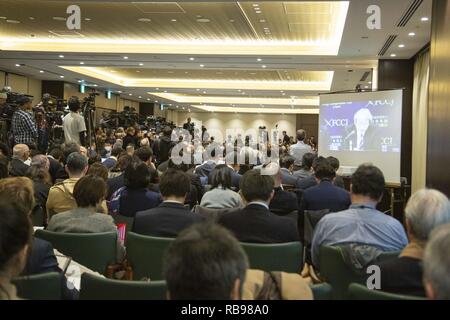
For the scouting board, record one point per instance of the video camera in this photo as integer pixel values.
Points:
(51, 103)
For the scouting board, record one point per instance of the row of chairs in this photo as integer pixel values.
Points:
(145, 253)
(47, 287)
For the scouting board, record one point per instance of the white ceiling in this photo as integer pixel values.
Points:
(358, 53)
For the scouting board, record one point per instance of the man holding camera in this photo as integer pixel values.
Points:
(73, 123)
(23, 125)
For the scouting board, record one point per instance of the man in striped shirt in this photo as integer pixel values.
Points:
(23, 125)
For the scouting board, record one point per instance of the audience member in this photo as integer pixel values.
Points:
(4, 166)
(117, 182)
(255, 223)
(425, 210)
(205, 262)
(60, 197)
(171, 216)
(283, 202)
(98, 170)
(287, 164)
(21, 153)
(299, 149)
(362, 223)
(305, 169)
(221, 196)
(164, 145)
(111, 162)
(338, 180)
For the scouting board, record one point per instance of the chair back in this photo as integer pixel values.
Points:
(358, 291)
(322, 291)
(285, 257)
(93, 250)
(145, 255)
(335, 271)
(39, 216)
(98, 288)
(311, 218)
(44, 286)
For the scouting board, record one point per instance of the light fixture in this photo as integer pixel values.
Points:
(141, 64)
(87, 19)
(424, 19)
(393, 55)
(148, 99)
(262, 20)
(119, 91)
(204, 92)
(17, 65)
(203, 20)
(81, 62)
(401, 45)
(144, 20)
(61, 77)
(156, 101)
(41, 71)
(59, 18)
(31, 18)
(79, 81)
(192, 58)
(258, 11)
(411, 34)
(202, 65)
(256, 5)
(130, 94)
(366, 87)
(125, 57)
(95, 85)
(140, 97)
(173, 20)
(264, 66)
(156, 88)
(197, 89)
(259, 59)
(61, 56)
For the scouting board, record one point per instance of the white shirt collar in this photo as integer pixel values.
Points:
(259, 203)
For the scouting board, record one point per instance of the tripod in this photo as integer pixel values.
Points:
(89, 119)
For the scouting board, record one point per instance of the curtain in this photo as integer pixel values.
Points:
(419, 119)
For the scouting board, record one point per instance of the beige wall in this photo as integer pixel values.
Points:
(2, 79)
(22, 84)
(221, 121)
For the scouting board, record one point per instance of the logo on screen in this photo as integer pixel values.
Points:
(380, 103)
(337, 122)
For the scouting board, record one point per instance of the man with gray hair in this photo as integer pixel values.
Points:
(41, 161)
(299, 149)
(425, 210)
(60, 197)
(18, 167)
(436, 264)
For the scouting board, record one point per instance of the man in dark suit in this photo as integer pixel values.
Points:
(171, 216)
(21, 153)
(255, 223)
(111, 162)
(286, 164)
(338, 180)
(325, 195)
(283, 202)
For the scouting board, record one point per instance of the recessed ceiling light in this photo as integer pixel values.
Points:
(17, 65)
(370, 82)
(256, 5)
(283, 94)
(203, 20)
(130, 94)
(401, 45)
(87, 19)
(173, 20)
(177, 106)
(125, 57)
(138, 71)
(393, 55)
(81, 62)
(239, 90)
(411, 34)
(263, 66)
(197, 89)
(202, 65)
(3, 18)
(231, 20)
(258, 11)
(13, 21)
(156, 101)
(141, 64)
(95, 85)
(148, 99)
(157, 89)
(259, 59)
(204, 92)
(31, 18)
(243, 92)
(59, 18)
(262, 20)
(140, 97)
(165, 91)
(192, 58)
(79, 81)
(144, 20)
(61, 77)
(41, 71)
(119, 91)
(424, 19)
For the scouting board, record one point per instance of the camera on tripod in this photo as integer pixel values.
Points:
(51, 103)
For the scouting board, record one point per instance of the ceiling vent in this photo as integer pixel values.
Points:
(387, 44)
(415, 4)
(66, 33)
(159, 7)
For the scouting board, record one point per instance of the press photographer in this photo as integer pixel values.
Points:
(74, 124)
(23, 126)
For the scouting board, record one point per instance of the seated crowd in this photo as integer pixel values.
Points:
(210, 208)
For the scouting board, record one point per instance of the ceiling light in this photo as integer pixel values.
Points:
(3, 18)
(401, 45)
(17, 65)
(61, 77)
(148, 99)
(370, 82)
(243, 92)
(125, 57)
(231, 20)
(165, 91)
(239, 90)
(258, 11)
(192, 58)
(424, 19)
(61, 56)
(202, 65)
(41, 71)
(140, 97)
(366, 87)
(87, 19)
(31, 18)
(95, 85)
(204, 92)
(79, 81)
(130, 94)
(141, 64)
(263, 66)
(144, 20)
(119, 91)
(259, 59)
(157, 89)
(138, 71)
(156, 101)
(256, 5)
(59, 18)
(262, 20)
(283, 94)
(203, 20)
(81, 62)
(411, 34)
(173, 20)
(393, 55)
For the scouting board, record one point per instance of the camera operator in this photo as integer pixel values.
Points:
(73, 123)
(23, 125)
(3, 105)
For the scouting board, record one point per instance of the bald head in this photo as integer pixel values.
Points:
(301, 135)
(21, 151)
(41, 161)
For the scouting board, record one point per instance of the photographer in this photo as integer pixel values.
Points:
(3, 105)
(23, 125)
(73, 123)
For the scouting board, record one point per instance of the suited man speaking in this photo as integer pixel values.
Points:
(362, 135)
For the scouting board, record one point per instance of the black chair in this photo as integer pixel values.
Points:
(93, 250)
(44, 286)
(98, 288)
(322, 291)
(310, 219)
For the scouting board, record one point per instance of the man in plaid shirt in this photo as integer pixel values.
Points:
(23, 125)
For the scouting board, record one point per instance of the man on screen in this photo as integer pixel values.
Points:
(361, 135)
